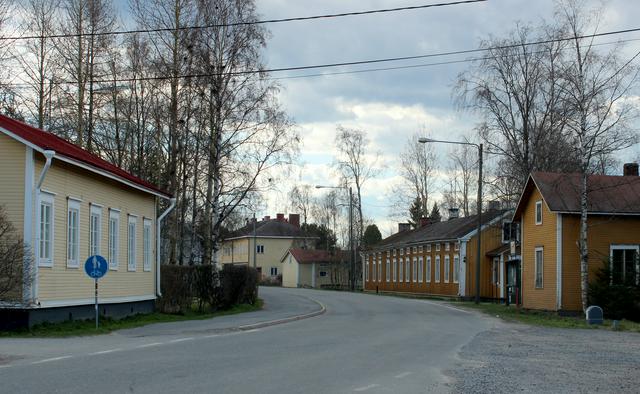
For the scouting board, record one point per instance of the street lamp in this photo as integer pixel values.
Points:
(424, 140)
(352, 278)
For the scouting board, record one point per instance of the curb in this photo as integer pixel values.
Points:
(254, 326)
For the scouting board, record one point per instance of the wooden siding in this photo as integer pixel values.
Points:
(274, 250)
(542, 235)
(290, 269)
(491, 239)
(59, 283)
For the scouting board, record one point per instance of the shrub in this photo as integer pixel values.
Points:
(239, 285)
(176, 285)
(618, 301)
(206, 286)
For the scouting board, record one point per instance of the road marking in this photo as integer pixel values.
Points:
(446, 306)
(365, 388)
(5, 366)
(105, 351)
(211, 336)
(254, 330)
(181, 340)
(149, 345)
(46, 360)
(403, 375)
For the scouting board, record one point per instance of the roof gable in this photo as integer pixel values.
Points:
(308, 256)
(42, 140)
(269, 228)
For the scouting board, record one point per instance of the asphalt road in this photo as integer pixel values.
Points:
(362, 343)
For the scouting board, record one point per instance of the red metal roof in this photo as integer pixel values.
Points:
(307, 256)
(49, 141)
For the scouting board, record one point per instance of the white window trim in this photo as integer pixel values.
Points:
(414, 270)
(420, 249)
(438, 247)
(447, 247)
(146, 244)
(114, 214)
(438, 270)
(46, 198)
(388, 271)
(73, 205)
(535, 268)
(366, 269)
(428, 248)
(96, 210)
(538, 207)
(395, 270)
(420, 269)
(131, 257)
(401, 269)
(456, 271)
(407, 270)
(456, 246)
(613, 247)
(429, 269)
(447, 268)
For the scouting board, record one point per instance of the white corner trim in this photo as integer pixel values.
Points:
(90, 301)
(29, 287)
(559, 261)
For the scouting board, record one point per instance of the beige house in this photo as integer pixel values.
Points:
(69, 204)
(261, 244)
(306, 268)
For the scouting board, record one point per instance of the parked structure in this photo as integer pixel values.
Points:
(261, 244)
(307, 268)
(439, 258)
(69, 205)
(549, 215)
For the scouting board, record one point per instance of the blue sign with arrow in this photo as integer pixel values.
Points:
(96, 267)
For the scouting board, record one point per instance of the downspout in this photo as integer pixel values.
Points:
(48, 155)
(158, 236)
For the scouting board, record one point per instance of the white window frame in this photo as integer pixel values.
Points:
(535, 267)
(456, 246)
(114, 239)
(401, 251)
(613, 247)
(395, 270)
(437, 269)
(407, 269)
(95, 211)
(73, 240)
(538, 210)
(415, 270)
(438, 247)
(366, 268)
(420, 249)
(395, 252)
(46, 199)
(388, 271)
(447, 247)
(456, 269)
(146, 244)
(273, 270)
(401, 269)
(131, 243)
(259, 249)
(374, 269)
(379, 267)
(420, 269)
(428, 248)
(428, 269)
(495, 271)
(447, 268)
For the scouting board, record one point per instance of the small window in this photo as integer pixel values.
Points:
(400, 269)
(388, 270)
(428, 269)
(379, 268)
(428, 248)
(45, 230)
(415, 269)
(437, 247)
(401, 251)
(420, 249)
(539, 267)
(131, 243)
(114, 238)
(437, 269)
(394, 252)
(323, 274)
(415, 249)
(456, 246)
(456, 269)
(495, 271)
(260, 249)
(395, 270)
(366, 269)
(420, 268)
(73, 233)
(274, 271)
(146, 242)
(95, 230)
(539, 212)
(447, 247)
(407, 270)
(447, 268)
(625, 265)
(388, 253)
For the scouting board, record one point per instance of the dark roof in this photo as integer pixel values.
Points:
(605, 193)
(447, 230)
(307, 256)
(269, 228)
(499, 250)
(48, 141)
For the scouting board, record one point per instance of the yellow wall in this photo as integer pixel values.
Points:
(491, 239)
(290, 272)
(543, 235)
(12, 164)
(274, 249)
(59, 283)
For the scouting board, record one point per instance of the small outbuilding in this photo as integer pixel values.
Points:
(306, 268)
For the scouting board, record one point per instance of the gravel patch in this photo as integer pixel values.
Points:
(519, 358)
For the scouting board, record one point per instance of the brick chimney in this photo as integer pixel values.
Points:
(267, 218)
(280, 217)
(294, 219)
(424, 221)
(454, 213)
(404, 227)
(630, 169)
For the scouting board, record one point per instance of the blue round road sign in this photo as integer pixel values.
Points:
(96, 266)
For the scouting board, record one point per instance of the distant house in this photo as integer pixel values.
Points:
(69, 204)
(440, 258)
(263, 243)
(549, 216)
(307, 268)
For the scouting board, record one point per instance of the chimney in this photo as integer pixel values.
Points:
(630, 169)
(454, 213)
(424, 221)
(267, 218)
(494, 205)
(294, 219)
(404, 227)
(280, 217)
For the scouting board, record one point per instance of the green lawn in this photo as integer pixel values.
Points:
(541, 318)
(87, 327)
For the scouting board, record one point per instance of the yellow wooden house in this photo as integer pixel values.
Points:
(68, 205)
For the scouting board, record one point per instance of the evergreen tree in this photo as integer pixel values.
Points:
(371, 235)
(435, 213)
(417, 212)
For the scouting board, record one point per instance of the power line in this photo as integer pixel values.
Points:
(247, 23)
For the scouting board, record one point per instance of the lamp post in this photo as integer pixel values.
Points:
(352, 278)
(424, 140)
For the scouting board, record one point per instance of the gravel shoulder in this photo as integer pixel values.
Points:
(513, 357)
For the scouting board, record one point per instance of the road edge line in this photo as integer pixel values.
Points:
(269, 323)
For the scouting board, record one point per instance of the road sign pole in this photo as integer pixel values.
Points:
(96, 304)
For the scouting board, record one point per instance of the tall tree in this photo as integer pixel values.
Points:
(301, 201)
(371, 236)
(435, 215)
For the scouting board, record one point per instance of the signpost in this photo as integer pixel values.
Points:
(96, 267)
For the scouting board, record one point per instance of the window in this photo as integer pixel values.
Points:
(539, 212)
(495, 266)
(260, 249)
(420, 249)
(437, 247)
(420, 268)
(95, 224)
(388, 253)
(374, 271)
(394, 252)
(388, 271)
(510, 232)
(415, 249)
(379, 267)
(114, 238)
(131, 243)
(428, 269)
(438, 269)
(407, 270)
(395, 270)
(447, 268)
(447, 247)
(401, 251)
(274, 271)
(539, 266)
(323, 274)
(415, 270)
(146, 244)
(456, 269)
(366, 269)
(400, 269)
(624, 265)
(428, 248)
(73, 233)
(45, 230)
